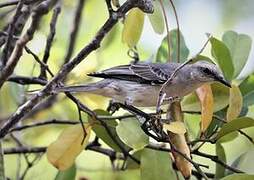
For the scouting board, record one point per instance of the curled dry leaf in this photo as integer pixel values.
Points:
(63, 152)
(133, 26)
(235, 103)
(178, 141)
(175, 127)
(205, 96)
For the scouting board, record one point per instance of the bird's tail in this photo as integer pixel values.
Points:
(92, 87)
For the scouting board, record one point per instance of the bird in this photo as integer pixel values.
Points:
(139, 84)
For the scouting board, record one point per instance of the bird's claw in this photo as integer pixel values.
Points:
(112, 107)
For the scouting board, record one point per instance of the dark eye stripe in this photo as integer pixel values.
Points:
(207, 71)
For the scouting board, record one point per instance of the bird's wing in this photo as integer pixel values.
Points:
(139, 72)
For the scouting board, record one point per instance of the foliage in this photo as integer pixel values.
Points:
(111, 143)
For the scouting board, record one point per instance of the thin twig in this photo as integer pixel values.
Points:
(178, 30)
(50, 39)
(27, 80)
(15, 2)
(167, 28)
(217, 160)
(41, 9)
(6, 49)
(74, 30)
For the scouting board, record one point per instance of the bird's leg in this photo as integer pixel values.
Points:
(162, 96)
(112, 107)
(172, 99)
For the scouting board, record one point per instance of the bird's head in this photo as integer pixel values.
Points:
(208, 72)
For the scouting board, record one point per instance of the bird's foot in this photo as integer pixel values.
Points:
(113, 107)
(172, 99)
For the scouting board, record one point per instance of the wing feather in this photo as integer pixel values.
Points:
(140, 72)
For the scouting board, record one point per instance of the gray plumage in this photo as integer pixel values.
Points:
(139, 84)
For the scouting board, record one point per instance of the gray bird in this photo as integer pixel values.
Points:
(139, 84)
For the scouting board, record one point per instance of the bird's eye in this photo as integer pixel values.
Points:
(207, 71)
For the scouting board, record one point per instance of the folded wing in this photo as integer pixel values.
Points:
(147, 73)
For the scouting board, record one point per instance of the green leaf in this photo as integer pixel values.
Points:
(2, 174)
(162, 53)
(235, 125)
(130, 164)
(247, 90)
(220, 152)
(202, 58)
(243, 162)
(248, 99)
(101, 132)
(239, 46)
(247, 85)
(222, 55)
(239, 177)
(68, 174)
(133, 26)
(156, 165)
(220, 95)
(156, 19)
(130, 133)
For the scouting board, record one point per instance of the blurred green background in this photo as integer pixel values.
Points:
(196, 17)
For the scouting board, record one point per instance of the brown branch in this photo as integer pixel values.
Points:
(39, 11)
(43, 123)
(25, 150)
(37, 59)
(201, 154)
(50, 39)
(6, 49)
(82, 107)
(74, 30)
(15, 2)
(29, 51)
(27, 80)
(217, 160)
(145, 5)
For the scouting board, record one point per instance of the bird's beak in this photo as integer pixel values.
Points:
(223, 81)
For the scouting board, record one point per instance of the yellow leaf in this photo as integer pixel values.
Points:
(179, 141)
(133, 26)
(205, 96)
(235, 103)
(175, 127)
(63, 152)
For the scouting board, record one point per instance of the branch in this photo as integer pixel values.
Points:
(82, 107)
(43, 123)
(167, 27)
(145, 5)
(39, 11)
(12, 3)
(50, 39)
(74, 30)
(6, 49)
(27, 80)
(217, 160)
(24, 150)
(178, 30)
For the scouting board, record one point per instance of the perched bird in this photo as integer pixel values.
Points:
(139, 84)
